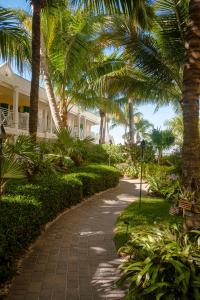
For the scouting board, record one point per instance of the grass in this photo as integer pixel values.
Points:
(154, 212)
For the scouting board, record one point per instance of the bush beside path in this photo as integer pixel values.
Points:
(27, 207)
(76, 257)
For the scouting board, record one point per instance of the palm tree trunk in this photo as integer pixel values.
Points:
(101, 130)
(48, 87)
(34, 94)
(190, 100)
(63, 113)
(131, 125)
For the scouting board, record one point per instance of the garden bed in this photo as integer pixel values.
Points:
(26, 208)
(154, 212)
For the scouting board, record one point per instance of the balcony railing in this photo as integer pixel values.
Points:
(7, 118)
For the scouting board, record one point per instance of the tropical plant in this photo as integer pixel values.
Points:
(14, 44)
(162, 264)
(190, 98)
(10, 169)
(75, 148)
(176, 126)
(162, 140)
(29, 157)
(37, 7)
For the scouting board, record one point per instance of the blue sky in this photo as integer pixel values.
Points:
(158, 118)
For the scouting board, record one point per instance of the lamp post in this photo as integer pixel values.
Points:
(142, 145)
(110, 143)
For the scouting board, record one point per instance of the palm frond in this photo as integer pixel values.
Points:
(14, 41)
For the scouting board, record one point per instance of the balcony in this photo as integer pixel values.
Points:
(44, 126)
(7, 119)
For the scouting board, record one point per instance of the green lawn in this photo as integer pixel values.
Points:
(154, 212)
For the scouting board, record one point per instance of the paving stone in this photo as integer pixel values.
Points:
(75, 259)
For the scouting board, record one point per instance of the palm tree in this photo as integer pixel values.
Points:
(176, 126)
(37, 7)
(162, 140)
(190, 99)
(161, 57)
(142, 8)
(68, 49)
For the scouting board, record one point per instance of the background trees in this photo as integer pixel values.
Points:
(151, 40)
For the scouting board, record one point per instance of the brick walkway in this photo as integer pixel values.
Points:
(76, 258)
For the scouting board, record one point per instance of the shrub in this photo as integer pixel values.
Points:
(60, 162)
(117, 153)
(163, 264)
(27, 207)
(134, 153)
(20, 224)
(162, 181)
(101, 154)
(172, 160)
(131, 170)
(96, 178)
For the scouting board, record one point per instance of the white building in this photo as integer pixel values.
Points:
(15, 103)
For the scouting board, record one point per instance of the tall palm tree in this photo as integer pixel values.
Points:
(69, 51)
(161, 57)
(37, 7)
(190, 99)
(162, 140)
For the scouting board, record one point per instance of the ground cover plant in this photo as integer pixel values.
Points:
(26, 207)
(162, 261)
(154, 212)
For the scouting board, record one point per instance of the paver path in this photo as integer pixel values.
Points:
(76, 258)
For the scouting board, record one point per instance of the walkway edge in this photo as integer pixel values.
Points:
(5, 289)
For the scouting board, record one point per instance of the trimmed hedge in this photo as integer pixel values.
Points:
(26, 208)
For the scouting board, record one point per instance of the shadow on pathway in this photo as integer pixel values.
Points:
(76, 258)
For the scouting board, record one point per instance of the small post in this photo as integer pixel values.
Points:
(110, 143)
(2, 136)
(142, 145)
(126, 222)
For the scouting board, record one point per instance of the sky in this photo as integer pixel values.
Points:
(158, 118)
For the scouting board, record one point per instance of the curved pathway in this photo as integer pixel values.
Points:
(75, 259)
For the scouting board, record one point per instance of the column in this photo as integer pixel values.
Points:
(45, 120)
(85, 127)
(79, 124)
(51, 124)
(15, 108)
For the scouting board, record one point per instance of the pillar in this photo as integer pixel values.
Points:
(85, 127)
(15, 108)
(79, 124)
(51, 124)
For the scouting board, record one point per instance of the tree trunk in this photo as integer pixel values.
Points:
(131, 123)
(49, 88)
(63, 113)
(101, 131)
(190, 100)
(34, 94)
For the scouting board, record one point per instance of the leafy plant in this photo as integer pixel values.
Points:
(132, 171)
(75, 148)
(162, 181)
(162, 264)
(60, 162)
(10, 169)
